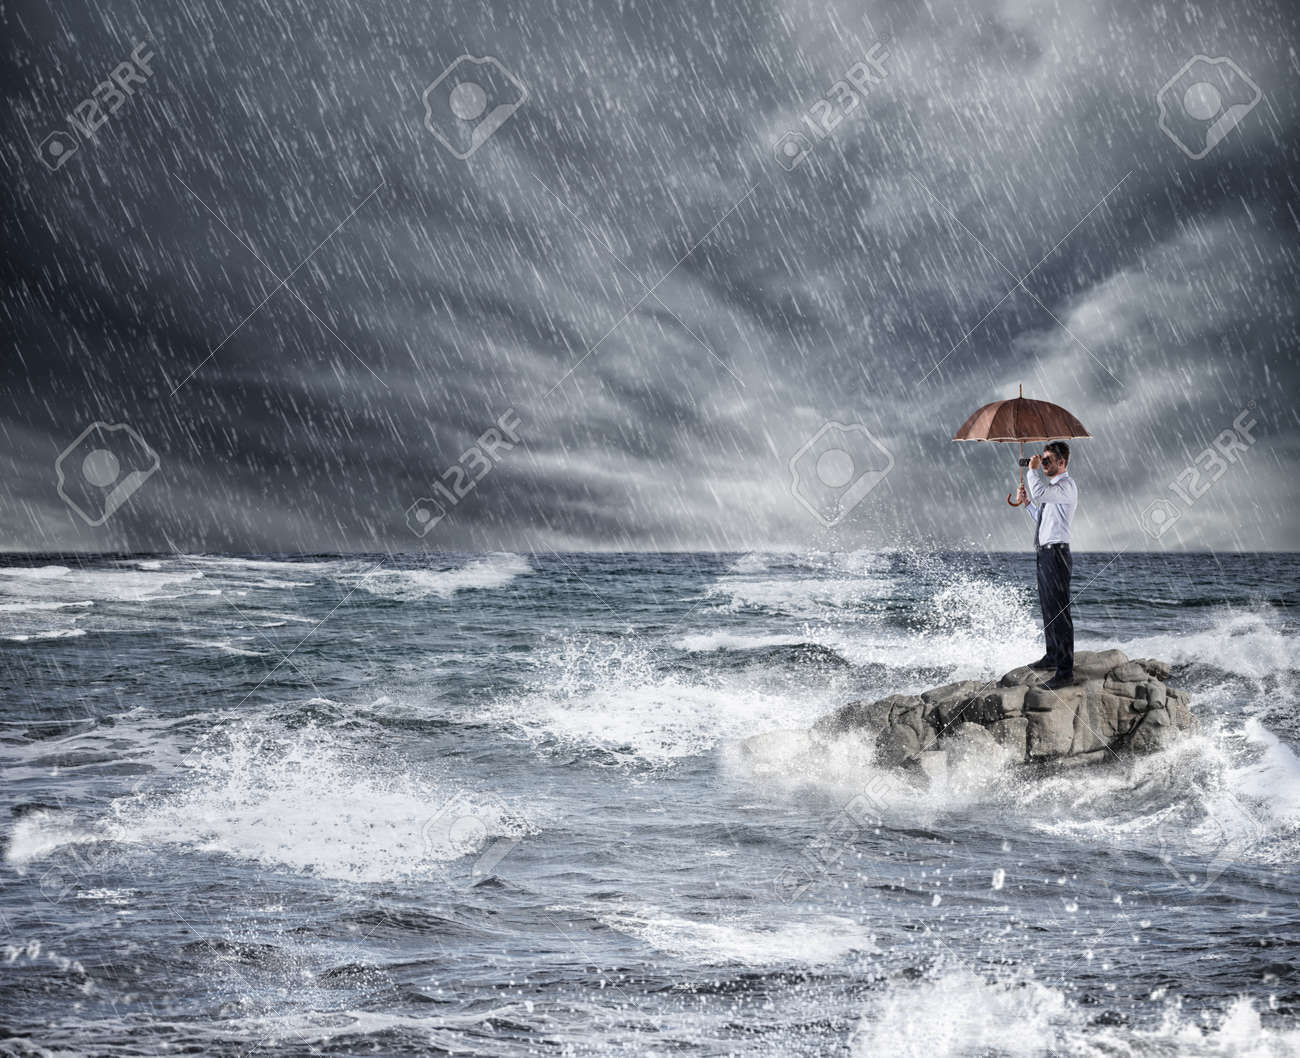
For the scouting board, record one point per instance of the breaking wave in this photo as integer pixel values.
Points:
(959, 1014)
(494, 571)
(617, 699)
(303, 801)
(742, 942)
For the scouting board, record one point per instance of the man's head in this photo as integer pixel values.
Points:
(1056, 456)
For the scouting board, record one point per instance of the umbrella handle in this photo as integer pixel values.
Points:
(1010, 501)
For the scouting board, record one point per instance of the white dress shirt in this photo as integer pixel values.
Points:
(1057, 498)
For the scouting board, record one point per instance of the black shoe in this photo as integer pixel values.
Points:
(1058, 681)
(1042, 663)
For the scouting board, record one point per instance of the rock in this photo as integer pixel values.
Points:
(1159, 669)
(970, 743)
(1024, 676)
(1176, 702)
(1012, 732)
(907, 733)
(856, 716)
(1115, 706)
(1130, 672)
(950, 700)
(1155, 695)
(1050, 730)
(1095, 664)
(1011, 700)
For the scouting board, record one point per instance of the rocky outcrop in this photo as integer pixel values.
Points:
(1115, 706)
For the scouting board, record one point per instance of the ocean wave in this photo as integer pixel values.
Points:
(739, 941)
(281, 618)
(36, 606)
(850, 562)
(36, 834)
(754, 562)
(1227, 796)
(221, 646)
(799, 597)
(308, 801)
(68, 585)
(268, 565)
(1250, 643)
(705, 641)
(494, 571)
(614, 698)
(959, 1014)
(49, 633)
(964, 624)
(30, 573)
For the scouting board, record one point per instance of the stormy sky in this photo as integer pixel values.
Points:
(308, 307)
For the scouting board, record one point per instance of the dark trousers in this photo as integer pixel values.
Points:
(1054, 598)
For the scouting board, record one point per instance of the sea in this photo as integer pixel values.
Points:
(503, 805)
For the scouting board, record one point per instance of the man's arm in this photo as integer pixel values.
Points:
(1043, 491)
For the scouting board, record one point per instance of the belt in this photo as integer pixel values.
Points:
(1051, 547)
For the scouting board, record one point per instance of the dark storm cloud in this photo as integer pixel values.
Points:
(432, 294)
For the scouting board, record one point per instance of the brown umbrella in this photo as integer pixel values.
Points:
(1020, 419)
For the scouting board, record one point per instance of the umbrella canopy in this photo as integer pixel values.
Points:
(1020, 419)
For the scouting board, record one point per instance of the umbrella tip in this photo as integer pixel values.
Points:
(1022, 389)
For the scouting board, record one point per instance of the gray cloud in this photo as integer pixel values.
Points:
(841, 290)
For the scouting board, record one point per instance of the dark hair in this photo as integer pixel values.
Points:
(1059, 449)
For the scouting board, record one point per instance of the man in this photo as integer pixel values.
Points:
(1051, 502)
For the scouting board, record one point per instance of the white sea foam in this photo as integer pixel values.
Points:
(738, 941)
(1227, 795)
(613, 698)
(1249, 643)
(221, 646)
(36, 834)
(978, 626)
(494, 571)
(800, 597)
(123, 584)
(705, 641)
(269, 565)
(308, 801)
(754, 562)
(973, 626)
(37, 606)
(283, 618)
(958, 1014)
(49, 633)
(30, 573)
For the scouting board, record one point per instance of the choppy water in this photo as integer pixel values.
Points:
(494, 805)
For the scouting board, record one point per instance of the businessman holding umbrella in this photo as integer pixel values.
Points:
(1051, 500)
(1051, 497)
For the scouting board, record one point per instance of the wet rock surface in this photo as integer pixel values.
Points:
(1114, 706)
